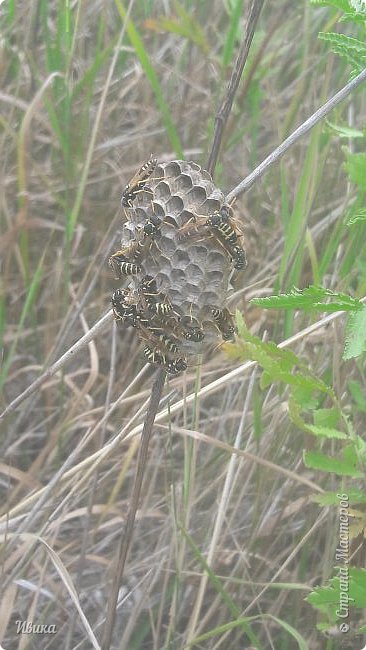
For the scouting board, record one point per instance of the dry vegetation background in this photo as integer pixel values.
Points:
(71, 137)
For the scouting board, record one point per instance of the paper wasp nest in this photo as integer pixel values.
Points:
(177, 267)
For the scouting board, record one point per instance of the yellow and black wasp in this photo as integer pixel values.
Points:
(220, 226)
(124, 307)
(126, 260)
(224, 322)
(138, 182)
(219, 222)
(157, 303)
(192, 330)
(158, 338)
(239, 257)
(172, 365)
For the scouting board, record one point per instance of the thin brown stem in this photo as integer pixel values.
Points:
(156, 392)
(223, 113)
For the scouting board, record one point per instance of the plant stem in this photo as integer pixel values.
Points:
(156, 392)
(227, 102)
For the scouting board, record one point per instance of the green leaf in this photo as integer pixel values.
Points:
(319, 461)
(326, 417)
(330, 498)
(302, 644)
(356, 168)
(326, 432)
(345, 131)
(342, 5)
(278, 364)
(309, 299)
(355, 334)
(355, 216)
(326, 598)
(357, 392)
(343, 41)
(359, 6)
(351, 49)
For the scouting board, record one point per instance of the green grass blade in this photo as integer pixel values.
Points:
(151, 75)
(217, 584)
(231, 37)
(29, 301)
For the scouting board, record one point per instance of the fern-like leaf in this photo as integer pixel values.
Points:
(309, 299)
(351, 49)
(278, 365)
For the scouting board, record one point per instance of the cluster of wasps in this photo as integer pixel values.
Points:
(160, 325)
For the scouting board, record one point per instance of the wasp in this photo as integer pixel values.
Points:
(125, 261)
(121, 266)
(123, 309)
(156, 301)
(220, 226)
(157, 336)
(224, 322)
(152, 226)
(185, 327)
(191, 329)
(172, 366)
(138, 182)
(239, 257)
(175, 366)
(220, 223)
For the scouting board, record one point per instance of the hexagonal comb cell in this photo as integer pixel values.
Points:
(184, 264)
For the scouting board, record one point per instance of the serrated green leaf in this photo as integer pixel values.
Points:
(323, 597)
(351, 49)
(316, 460)
(326, 432)
(355, 344)
(343, 41)
(278, 364)
(309, 299)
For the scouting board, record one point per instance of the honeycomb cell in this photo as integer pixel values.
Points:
(162, 190)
